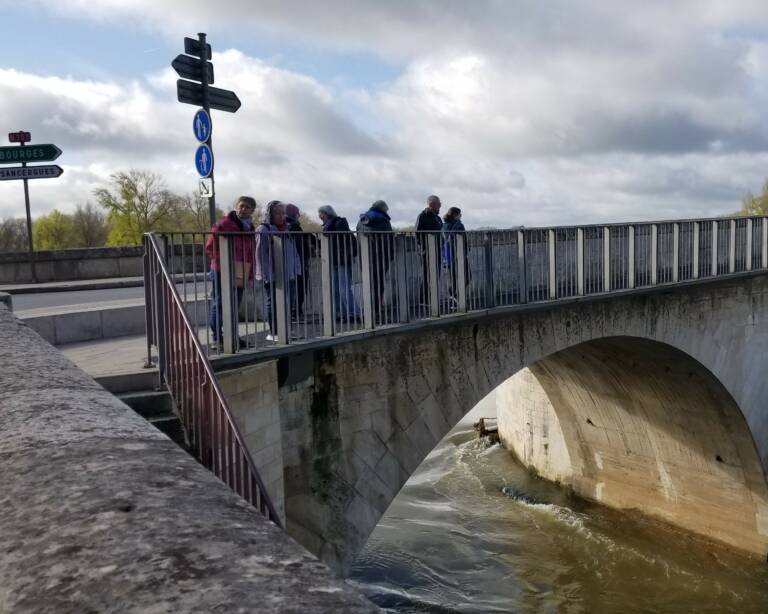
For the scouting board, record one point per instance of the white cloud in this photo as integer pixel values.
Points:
(529, 113)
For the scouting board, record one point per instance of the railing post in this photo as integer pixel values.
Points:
(148, 299)
(432, 277)
(696, 250)
(401, 280)
(732, 248)
(326, 281)
(460, 256)
(490, 292)
(580, 261)
(714, 248)
(366, 281)
(606, 259)
(675, 252)
(552, 265)
(764, 238)
(282, 290)
(749, 245)
(654, 254)
(523, 272)
(631, 257)
(159, 316)
(227, 316)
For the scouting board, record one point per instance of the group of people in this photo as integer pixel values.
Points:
(253, 255)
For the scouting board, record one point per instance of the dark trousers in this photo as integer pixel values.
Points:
(217, 321)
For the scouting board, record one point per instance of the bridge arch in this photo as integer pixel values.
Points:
(638, 424)
(358, 416)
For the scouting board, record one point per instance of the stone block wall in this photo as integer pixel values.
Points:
(252, 394)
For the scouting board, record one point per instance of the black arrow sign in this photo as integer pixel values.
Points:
(192, 93)
(30, 172)
(192, 47)
(191, 68)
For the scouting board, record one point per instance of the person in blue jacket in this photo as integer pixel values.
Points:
(343, 252)
(452, 225)
(377, 222)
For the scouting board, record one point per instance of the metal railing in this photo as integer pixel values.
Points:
(258, 290)
(183, 365)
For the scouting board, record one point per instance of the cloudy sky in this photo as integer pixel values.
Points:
(520, 112)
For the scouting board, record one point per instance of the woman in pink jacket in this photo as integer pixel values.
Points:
(240, 221)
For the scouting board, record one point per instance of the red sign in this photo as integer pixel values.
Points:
(19, 137)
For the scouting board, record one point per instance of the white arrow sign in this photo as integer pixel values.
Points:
(205, 185)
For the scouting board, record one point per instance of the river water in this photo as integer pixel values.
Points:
(473, 531)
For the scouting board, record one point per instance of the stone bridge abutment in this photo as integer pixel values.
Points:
(654, 402)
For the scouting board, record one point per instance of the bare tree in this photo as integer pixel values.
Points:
(90, 226)
(13, 235)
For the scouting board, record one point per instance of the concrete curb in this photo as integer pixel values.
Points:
(70, 286)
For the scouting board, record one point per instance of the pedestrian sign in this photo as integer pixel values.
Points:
(204, 160)
(202, 126)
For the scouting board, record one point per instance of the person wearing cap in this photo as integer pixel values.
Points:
(377, 222)
(428, 222)
(343, 252)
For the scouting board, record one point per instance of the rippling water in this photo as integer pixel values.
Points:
(473, 531)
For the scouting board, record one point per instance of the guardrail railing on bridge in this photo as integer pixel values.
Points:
(271, 289)
(211, 430)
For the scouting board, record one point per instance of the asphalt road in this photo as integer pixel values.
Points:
(81, 297)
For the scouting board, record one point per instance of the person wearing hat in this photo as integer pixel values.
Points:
(377, 222)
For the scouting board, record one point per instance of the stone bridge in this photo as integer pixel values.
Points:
(652, 400)
(626, 360)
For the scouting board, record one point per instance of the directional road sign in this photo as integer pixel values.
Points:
(30, 153)
(192, 47)
(204, 160)
(192, 93)
(191, 68)
(201, 126)
(30, 172)
(205, 186)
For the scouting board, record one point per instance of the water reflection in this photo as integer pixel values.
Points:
(473, 531)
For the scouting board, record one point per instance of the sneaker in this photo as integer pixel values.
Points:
(270, 337)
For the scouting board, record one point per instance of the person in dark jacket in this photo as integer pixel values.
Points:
(428, 221)
(452, 225)
(377, 222)
(343, 252)
(305, 245)
(239, 220)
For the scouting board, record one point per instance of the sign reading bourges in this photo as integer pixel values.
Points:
(30, 153)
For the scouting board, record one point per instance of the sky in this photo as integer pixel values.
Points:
(517, 111)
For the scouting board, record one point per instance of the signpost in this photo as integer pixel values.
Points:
(194, 87)
(24, 154)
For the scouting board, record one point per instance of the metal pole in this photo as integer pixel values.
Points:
(29, 225)
(206, 105)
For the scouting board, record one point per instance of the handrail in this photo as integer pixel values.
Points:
(205, 414)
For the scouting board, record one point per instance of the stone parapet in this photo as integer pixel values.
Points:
(99, 512)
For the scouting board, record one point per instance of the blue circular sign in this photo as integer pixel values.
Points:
(201, 126)
(204, 160)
